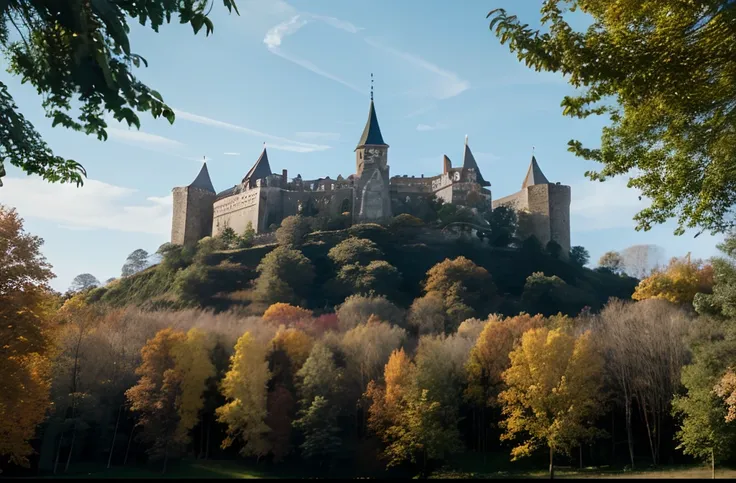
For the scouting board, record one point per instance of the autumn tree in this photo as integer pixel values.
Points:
(284, 276)
(678, 283)
(705, 432)
(25, 325)
(168, 395)
(84, 281)
(79, 59)
(357, 309)
(722, 302)
(428, 315)
(245, 391)
(487, 361)
(553, 392)
(612, 262)
(286, 314)
(644, 347)
(136, 261)
(292, 231)
(662, 73)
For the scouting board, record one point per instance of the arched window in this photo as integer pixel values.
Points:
(345, 206)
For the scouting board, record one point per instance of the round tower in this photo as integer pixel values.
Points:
(193, 210)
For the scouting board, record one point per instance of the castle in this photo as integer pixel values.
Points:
(263, 198)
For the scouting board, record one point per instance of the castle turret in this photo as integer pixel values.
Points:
(371, 200)
(469, 162)
(193, 210)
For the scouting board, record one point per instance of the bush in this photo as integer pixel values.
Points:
(355, 250)
(357, 309)
(405, 220)
(371, 231)
(285, 276)
(292, 231)
(188, 283)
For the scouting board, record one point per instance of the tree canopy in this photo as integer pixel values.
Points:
(79, 54)
(663, 73)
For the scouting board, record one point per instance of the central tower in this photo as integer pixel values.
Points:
(371, 197)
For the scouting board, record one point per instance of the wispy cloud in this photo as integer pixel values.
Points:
(445, 84)
(433, 127)
(421, 110)
(276, 35)
(141, 138)
(601, 205)
(231, 154)
(281, 143)
(326, 136)
(96, 205)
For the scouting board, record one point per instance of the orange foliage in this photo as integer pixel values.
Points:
(296, 344)
(287, 314)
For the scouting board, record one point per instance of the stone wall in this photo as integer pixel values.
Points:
(192, 215)
(518, 201)
(236, 211)
(559, 212)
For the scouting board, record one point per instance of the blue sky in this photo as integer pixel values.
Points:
(296, 75)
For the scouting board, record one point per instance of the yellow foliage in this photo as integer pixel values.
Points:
(726, 390)
(678, 283)
(297, 345)
(194, 367)
(287, 314)
(245, 390)
(553, 390)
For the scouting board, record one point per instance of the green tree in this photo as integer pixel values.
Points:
(663, 73)
(284, 276)
(704, 432)
(84, 281)
(292, 231)
(579, 256)
(554, 249)
(318, 422)
(136, 261)
(78, 57)
(722, 302)
(354, 250)
(503, 223)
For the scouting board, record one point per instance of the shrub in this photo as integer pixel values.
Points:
(357, 309)
(355, 250)
(292, 231)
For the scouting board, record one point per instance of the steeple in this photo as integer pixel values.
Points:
(203, 181)
(534, 175)
(469, 162)
(260, 169)
(371, 132)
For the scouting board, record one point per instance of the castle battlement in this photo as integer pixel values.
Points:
(263, 198)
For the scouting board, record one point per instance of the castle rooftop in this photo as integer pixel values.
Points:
(371, 132)
(203, 181)
(469, 162)
(534, 175)
(260, 169)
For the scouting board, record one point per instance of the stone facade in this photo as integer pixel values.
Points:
(262, 199)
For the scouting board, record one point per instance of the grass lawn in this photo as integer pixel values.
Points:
(183, 469)
(695, 471)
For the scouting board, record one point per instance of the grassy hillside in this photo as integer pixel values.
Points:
(227, 275)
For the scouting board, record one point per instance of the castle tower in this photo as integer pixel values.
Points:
(549, 206)
(193, 210)
(469, 163)
(371, 199)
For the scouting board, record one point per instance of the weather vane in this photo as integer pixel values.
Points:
(371, 85)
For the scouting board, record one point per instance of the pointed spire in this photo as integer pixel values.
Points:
(260, 169)
(534, 175)
(469, 162)
(371, 132)
(203, 181)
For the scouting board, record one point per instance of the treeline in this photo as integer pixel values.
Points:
(372, 384)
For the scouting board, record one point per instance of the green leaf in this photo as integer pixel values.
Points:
(108, 13)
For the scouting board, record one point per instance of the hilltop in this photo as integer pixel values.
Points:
(222, 279)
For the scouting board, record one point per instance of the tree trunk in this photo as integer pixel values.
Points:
(643, 409)
(551, 463)
(127, 449)
(712, 464)
(166, 461)
(207, 447)
(58, 451)
(114, 437)
(581, 456)
(629, 432)
(71, 450)
(613, 436)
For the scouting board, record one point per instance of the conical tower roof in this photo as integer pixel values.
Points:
(260, 169)
(469, 162)
(203, 181)
(371, 132)
(534, 175)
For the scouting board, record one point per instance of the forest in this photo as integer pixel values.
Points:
(335, 351)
